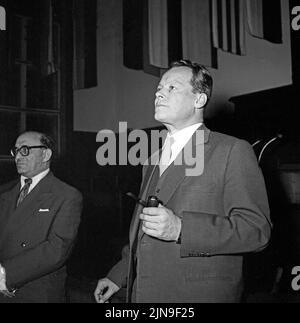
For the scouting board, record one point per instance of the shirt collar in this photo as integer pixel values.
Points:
(186, 132)
(36, 179)
(180, 139)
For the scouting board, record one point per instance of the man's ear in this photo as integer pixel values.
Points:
(200, 100)
(47, 155)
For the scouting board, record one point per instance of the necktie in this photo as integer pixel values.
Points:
(166, 154)
(24, 191)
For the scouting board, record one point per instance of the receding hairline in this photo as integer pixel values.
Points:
(185, 69)
(34, 134)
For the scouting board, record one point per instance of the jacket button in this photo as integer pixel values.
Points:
(23, 245)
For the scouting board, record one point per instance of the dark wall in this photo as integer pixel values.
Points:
(107, 210)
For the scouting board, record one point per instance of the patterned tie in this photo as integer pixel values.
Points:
(166, 154)
(24, 191)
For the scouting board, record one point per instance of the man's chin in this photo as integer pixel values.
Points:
(21, 171)
(159, 117)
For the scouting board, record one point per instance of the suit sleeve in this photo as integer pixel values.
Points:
(51, 254)
(244, 225)
(118, 273)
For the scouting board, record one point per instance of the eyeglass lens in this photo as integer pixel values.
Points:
(24, 151)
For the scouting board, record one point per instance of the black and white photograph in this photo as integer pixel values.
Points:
(149, 154)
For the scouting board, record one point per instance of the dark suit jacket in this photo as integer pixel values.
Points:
(224, 214)
(36, 239)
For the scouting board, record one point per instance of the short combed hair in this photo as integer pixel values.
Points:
(45, 140)
(201, 81)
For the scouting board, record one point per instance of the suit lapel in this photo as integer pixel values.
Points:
(19, 216)
(10, 198)
(176, 172)
(144, 188)
(7, 207)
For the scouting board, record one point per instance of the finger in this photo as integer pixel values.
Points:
(99, 291)
(150, 218)
(106, 296)
(152, 210)
(97, 294)
(150, 232)
(151, 225)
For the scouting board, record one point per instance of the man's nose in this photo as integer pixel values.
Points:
(18, 156)
(159, 94)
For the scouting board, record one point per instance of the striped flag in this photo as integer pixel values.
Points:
(174, 30)
(229, 26)
(47, 50)
(85, 44)
(136, 37)
(133, 34)
(196, 32)
(163, 26)
(264, 19)
(148, 67)
(158, 33)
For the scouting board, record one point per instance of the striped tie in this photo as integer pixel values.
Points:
(24, 191)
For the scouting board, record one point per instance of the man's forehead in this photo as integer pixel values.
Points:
(29, 139)
(180, 74)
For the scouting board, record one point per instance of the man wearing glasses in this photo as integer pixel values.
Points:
(39, 219)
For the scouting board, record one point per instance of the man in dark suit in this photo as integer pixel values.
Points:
(39, 219)
(190, 248)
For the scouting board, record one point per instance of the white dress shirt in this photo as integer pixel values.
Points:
(35, 180)
(180, 139)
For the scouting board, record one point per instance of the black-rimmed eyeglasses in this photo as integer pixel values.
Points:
(24, 150)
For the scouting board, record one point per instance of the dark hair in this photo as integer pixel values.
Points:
(47, 141)
(201, 81)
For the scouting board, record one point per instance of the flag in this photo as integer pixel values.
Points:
(136, 53)
(133, 34)
(4, 58)
(264, 19)
(2, 18)
(174, 30)
(196, 32)
(85, 44)
(158, 33)
(162, 34)
(47, 50)
(147, 66)
(162, 46)
(228, 26)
